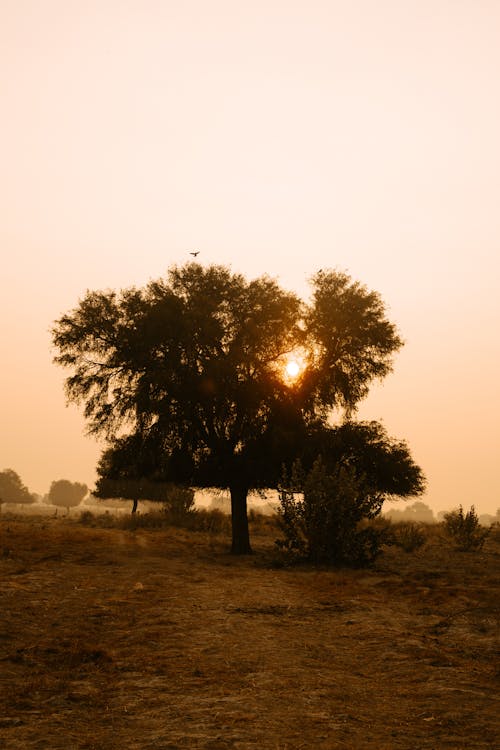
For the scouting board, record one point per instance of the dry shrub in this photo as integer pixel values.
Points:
(326, 523)
(176, 510)
(465, 529)
(409, 536)
(153, 520)
(262, 523)
(87, 518)
(495, 532)
(179, 504)
(213, 521)
(181, 514)
(104, 520)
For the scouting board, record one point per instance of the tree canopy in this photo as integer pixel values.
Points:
(186, 376)
(384, 463)
(67, 494)
(12, 489)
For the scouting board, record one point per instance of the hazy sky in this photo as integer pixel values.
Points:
(279, 138)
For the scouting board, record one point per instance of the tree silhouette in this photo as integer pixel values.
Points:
(129, 469)
(67, 494)
(187, 374)
(12, 489)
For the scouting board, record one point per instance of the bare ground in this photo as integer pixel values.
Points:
(157, 640)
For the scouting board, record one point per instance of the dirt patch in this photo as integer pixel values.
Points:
(160, 640)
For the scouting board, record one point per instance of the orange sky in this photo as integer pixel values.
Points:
(277, 137)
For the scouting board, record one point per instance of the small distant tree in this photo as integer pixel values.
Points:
(67, 494)
(12, 489)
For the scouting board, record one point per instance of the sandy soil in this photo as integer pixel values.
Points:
(147, 640)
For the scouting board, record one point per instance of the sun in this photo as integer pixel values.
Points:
(292, 365)
(292, 368)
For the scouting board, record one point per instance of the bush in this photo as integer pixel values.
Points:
(179, 504)
(87, 518)
(213, 521)
(177, 509)
(409, 536)
(153, 520)
(104, 520)
(326, 522)
(465, 530)
(262, 523)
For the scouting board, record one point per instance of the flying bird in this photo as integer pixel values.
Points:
(197, 252)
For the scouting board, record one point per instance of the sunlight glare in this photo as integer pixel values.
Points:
(292, 368)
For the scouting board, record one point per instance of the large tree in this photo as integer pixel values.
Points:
(190, 373)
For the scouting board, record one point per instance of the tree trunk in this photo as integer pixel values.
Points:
(134, 506)
(239, 521)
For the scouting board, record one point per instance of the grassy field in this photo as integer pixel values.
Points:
(156, 638)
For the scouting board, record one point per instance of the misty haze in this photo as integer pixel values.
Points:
(249, 411)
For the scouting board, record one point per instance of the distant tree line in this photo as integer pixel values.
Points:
(418, 512)
(62, 492)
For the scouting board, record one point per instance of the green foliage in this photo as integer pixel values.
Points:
(409, 536)
(322, 517)
(12, 489)
(465, 529)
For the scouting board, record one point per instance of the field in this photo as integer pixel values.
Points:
(157, 639)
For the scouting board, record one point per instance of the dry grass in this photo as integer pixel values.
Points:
(157, 639)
